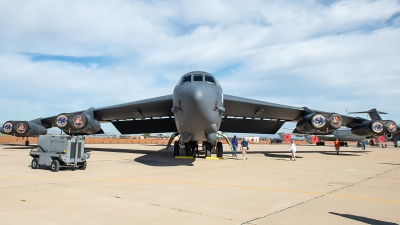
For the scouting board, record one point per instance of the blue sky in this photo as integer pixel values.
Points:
(64, 56)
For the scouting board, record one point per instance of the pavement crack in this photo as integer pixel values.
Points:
(323, 195)
(148, 203)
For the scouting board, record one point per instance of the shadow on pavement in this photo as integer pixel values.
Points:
(18, 146)
(365, 220)
(287, 156)
(162, 157)
(393, 164)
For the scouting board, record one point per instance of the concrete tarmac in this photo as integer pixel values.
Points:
(144, 184)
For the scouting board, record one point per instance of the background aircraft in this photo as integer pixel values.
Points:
(197, 111)
(346, 134)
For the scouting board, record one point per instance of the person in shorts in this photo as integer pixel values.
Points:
(293, 151)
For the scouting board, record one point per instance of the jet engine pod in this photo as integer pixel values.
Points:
(23, 128)
(319, 123)
(376, 127)
(391, 126)
(77, 123)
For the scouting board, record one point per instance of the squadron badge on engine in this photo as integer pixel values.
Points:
(391, 127)
(21, 128)
(336, 121)
(7, 127)
(318, 121)
(61, 121)
(377, 127)
(78, 121)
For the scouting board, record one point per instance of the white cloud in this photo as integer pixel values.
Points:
(331, 57)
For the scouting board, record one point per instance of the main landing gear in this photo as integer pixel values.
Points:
(187, 150)
(320, 143)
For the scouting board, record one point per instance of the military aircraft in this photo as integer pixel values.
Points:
(198, 110)
(346, 134)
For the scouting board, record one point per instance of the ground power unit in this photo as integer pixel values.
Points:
(59, 151)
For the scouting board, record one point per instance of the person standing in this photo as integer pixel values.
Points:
(363, 142)
(245, 147)
(337, 145)
(234, 145)
(293, 150)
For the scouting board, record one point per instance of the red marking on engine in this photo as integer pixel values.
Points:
(286, 137)
(381, 139)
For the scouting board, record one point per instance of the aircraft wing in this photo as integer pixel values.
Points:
(144, 116)
(244, 115)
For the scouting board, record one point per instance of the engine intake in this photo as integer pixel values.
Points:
(319, 123)
(23, 128)
(375, 127)
(77, 123)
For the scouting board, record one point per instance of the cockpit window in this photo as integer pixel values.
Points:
(198, 77)
(209, 79)
(186, 79)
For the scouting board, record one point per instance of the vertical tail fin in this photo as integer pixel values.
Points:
(373, 114)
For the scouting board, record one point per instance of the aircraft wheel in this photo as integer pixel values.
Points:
(26, 143)
(188, 148)
(323, 143)
(345, 144)
(220, 150)
(55, 166)
(176, 148)
(35, 163)
(208, 149)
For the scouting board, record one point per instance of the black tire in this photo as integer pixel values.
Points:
(323, 143)
(55, 166)
(176, 148)
(83, 166)
(188, 148)
(26, 143)
(208, 149)
(35, 163)
(220, 150)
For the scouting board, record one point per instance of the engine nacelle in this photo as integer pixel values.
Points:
(319, 123)
(375, 127)
(77, 123)
(23, 128)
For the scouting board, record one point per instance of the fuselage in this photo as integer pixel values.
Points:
(198, 107)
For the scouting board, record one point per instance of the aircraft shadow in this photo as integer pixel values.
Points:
(393, 164)
(162, 157)
(365, 220)
(287, 154)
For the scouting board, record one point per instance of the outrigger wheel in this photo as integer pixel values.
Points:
(220, 150)
(176, 148)
(26, 143)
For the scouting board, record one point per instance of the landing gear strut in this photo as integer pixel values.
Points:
(27, 142)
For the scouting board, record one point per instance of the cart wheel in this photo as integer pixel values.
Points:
(35, 163)
(55, 166)
(83, 166)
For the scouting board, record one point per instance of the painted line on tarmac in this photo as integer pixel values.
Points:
(185, 182)
(330, 194)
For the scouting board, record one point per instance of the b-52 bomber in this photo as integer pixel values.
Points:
(199, 111)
